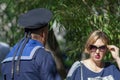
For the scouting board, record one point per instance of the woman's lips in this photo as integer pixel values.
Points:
(97, 56)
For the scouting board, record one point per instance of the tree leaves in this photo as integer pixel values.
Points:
(79, 18)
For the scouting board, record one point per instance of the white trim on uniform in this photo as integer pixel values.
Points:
(24, 57)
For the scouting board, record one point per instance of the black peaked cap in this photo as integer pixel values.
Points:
(36, 18)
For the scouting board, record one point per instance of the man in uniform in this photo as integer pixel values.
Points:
(28, 60)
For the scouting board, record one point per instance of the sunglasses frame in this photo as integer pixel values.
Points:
(93, 48)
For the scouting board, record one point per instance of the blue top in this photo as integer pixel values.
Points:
(109, 72)
(36, 64)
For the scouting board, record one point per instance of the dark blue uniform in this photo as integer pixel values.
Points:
(35, 63)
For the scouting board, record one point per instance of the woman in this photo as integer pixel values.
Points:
(94, 68)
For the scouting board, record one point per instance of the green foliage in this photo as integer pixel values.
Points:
(79, 18)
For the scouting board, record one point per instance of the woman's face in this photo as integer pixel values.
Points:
(97, 50)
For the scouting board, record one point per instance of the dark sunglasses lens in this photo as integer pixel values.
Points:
(93, 48)
(102, 48)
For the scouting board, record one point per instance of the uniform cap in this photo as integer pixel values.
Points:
(36, 18)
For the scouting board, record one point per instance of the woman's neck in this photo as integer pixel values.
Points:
(93, 66)
(98, 63)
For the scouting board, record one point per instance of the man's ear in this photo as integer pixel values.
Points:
(42, 34)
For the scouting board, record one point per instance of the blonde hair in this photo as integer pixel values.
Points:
(97, 34)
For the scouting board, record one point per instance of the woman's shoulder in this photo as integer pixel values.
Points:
(74, 67)
(107, 64)
(111, 66)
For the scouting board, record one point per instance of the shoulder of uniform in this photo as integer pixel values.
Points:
(28, 56)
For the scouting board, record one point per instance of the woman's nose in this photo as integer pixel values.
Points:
(97, 51)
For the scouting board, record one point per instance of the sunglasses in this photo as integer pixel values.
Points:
(93, 48)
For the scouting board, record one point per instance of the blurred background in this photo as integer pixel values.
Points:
(72, 22)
